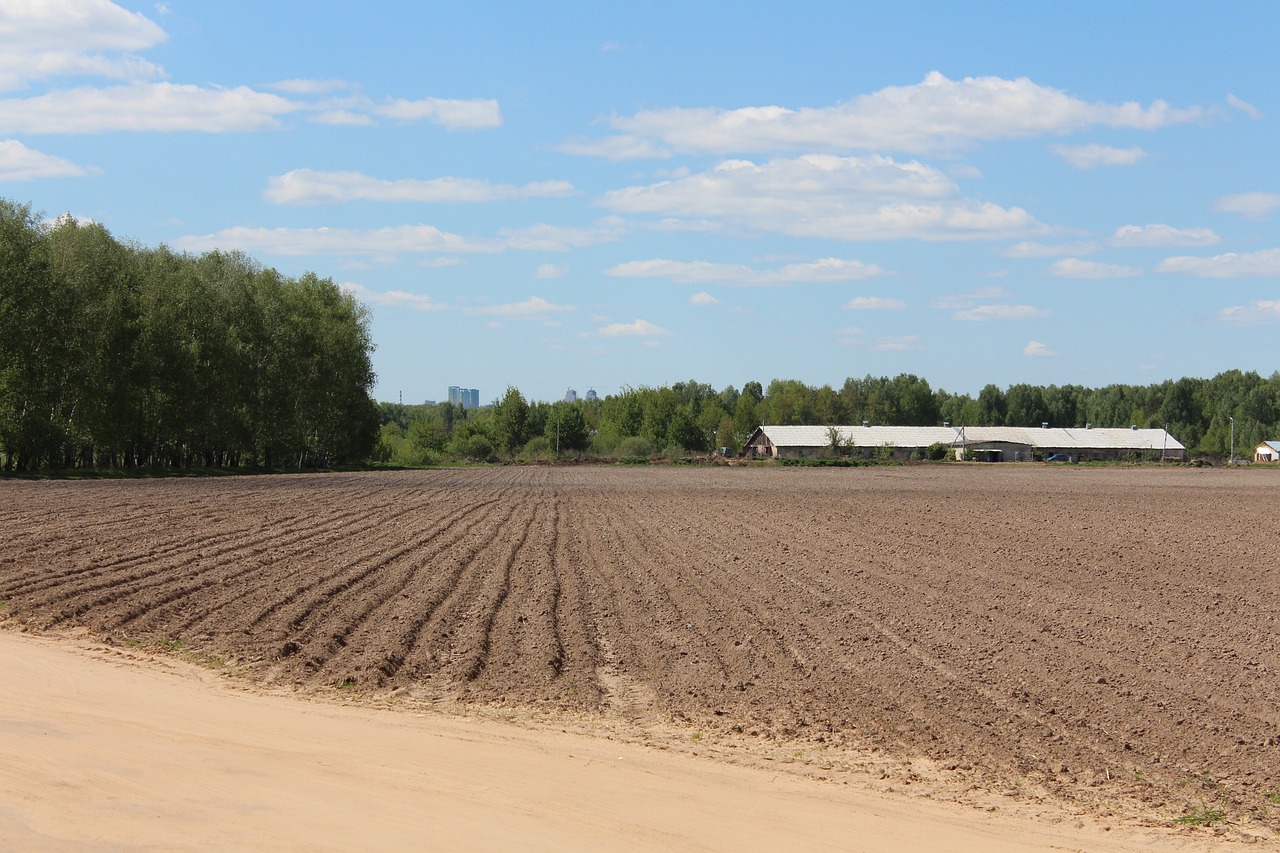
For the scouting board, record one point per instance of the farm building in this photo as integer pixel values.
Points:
(1268, 451)
(986, 444)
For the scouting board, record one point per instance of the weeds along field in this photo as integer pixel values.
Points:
(1098, 634)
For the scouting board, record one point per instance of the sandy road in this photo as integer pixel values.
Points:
(111, 749)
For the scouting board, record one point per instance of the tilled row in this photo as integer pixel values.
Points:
(1072, 627)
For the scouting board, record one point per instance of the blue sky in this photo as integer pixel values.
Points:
(576, 195)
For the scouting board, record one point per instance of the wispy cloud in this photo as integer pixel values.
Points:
(550, 271)
(1046, 250)
(1260, 313)
(1001, 312)
(1093, 156)
(545, 237)
(1076, 268)
(696, 272)
(703, 298)
(305, 186)
(534, 306)
(392, 298)
(875, 303)
(1248, 205)
(1228, 265)
(411, 239)
(1244, 106)
(1162, 235)
(899, 344)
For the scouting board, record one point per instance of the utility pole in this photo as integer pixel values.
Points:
(1232, 460)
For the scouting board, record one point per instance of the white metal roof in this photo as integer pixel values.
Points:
(1095, 438)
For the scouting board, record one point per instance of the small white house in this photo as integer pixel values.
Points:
(1268, 451)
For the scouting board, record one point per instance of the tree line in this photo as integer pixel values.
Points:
(113, 355)
(693, 417)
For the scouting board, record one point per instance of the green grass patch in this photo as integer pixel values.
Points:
(1204, 816)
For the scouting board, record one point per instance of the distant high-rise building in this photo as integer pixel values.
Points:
(467, 398)
(571, 396)
(591, 393)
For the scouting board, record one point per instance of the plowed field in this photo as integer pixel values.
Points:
(1107, 635)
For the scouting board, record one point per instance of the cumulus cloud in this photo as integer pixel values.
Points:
(305, 186)
(20, 163)
(703, 298)
(1076, 268)
(550, 271)
(337, 241)
(1262, 312)
(1229, 265)
(697, 272)
(875, 303)
(56, 38)
(1036, 349)
(1162, 235)
(392, 298)
(1001, 312)
(635, 329)
(1248, 205)
(935, 114)
(534, 306)
(1093, 156)
(822, 195)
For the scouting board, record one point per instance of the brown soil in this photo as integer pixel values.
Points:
(1103, 636)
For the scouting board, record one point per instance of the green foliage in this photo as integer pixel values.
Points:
(115, 356)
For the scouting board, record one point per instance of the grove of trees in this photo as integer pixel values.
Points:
(114, 356)
(693, 417)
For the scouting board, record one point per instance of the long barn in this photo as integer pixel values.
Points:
(988, 444)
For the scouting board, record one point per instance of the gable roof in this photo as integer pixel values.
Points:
(1058, 438)
(1274, 445)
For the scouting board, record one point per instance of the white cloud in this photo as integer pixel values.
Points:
(342, 118)
(703, 298)
(1076, 268)
(1229, 265)
(1244, 106)
(20, 163)
(935, 114)
(875, 303)
(55, 38)
(899, 344)
(636, 329)
(550, 271)
(305, 186)
(1248, 205)
(1093, 156)
(1162, 235)
(144, 107)
(1001, 312)
(1262, 312)
(478, 113)
(392, 298)
(622, 147)
(962, 300)
(850, 336)
(1043, 250)
(336, 241)
(313, 87)
(440, 262)
(821, 195)
(534, 306)
(1036, 349)
(697, 272)
(559, 238)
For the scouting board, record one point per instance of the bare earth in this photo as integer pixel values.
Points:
(1073, 648)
